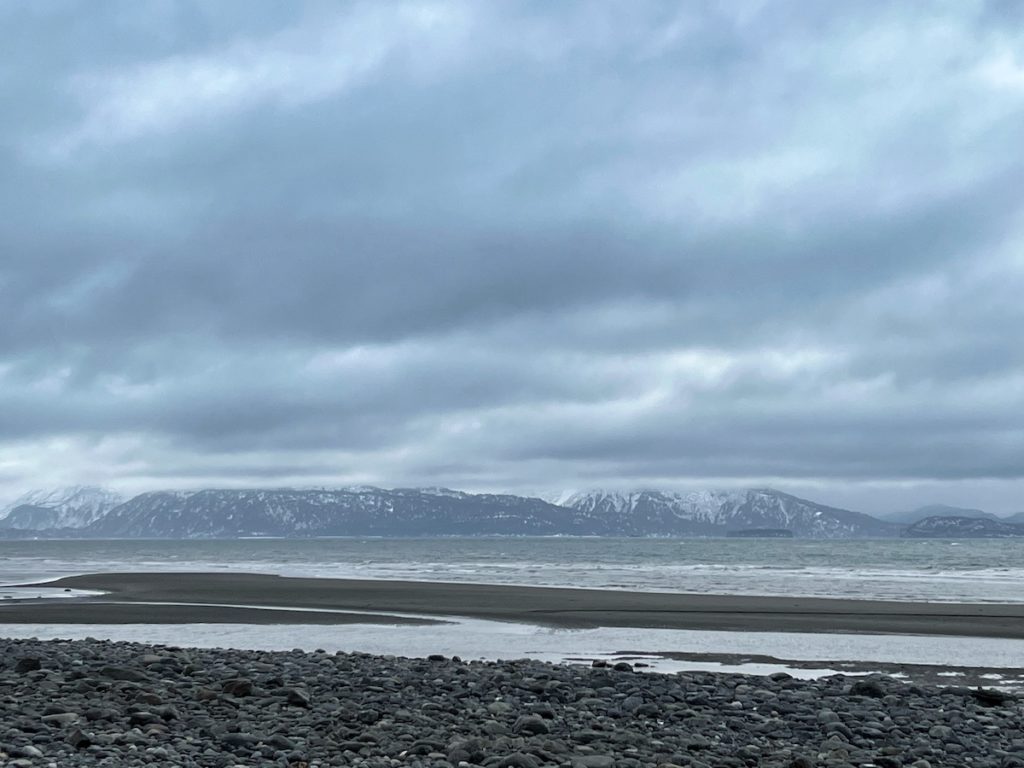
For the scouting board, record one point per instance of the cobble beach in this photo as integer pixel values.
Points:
(122, 704)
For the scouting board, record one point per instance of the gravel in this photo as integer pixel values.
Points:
(101, 703)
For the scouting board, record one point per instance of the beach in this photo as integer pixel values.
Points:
(929, 643)
(94, 702)
(101, 702)
(199, 597)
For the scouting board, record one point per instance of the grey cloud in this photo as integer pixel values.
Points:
(522, 246)
(352, 282)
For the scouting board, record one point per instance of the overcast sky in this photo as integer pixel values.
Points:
(517, 246)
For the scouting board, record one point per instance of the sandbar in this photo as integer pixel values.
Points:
(129, 598)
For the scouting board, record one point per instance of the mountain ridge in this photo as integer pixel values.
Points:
(437, 511)
(717, 512)
(953, 527)
(73, 507)
(912, 516)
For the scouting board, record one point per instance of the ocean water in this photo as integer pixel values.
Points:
(967, 571)
(818, 654)
(928, 570)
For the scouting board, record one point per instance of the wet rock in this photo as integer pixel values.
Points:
(239, 687)
(236, 740)
(519, 760)
(124, 674)
(143, 718)
(868, 688)
(990, 697)
(27, 664)
(388, 712)
(62, 719)
(78, 739)
(298, 697)
(531, 724)
(466, 751)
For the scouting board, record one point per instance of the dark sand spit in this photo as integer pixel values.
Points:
(554, 607)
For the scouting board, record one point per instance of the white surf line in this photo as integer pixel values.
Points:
(49, 580)
(19, 594)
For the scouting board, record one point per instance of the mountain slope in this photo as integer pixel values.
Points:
(952, 527)
(909, 517)
(344, 512)
(74, 507)
(368, 511)
(715, 513)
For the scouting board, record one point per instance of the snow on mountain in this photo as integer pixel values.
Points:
(650, 512)
(710, 513)
(371, 511)
(359, 511)
(438, 491)
(73, 507)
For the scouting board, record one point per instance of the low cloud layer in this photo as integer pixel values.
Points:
(515, 246)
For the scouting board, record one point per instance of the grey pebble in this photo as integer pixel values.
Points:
(77, 703)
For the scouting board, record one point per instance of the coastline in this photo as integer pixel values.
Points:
(929, 643)
(258, 599)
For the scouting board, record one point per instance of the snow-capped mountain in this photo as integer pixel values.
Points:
(959, 527)
(362, 511)
(711, 513)
(75, 507)
(370, 511)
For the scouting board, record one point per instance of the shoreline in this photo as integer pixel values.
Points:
(258, 599)
(923, 660)
(664, 632)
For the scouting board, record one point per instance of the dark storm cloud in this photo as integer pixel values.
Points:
(510, 246)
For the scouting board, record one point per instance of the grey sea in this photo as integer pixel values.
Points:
(971, 571)
(907, 569)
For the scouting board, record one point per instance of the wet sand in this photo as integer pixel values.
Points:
(93, 611)
(554, 607)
